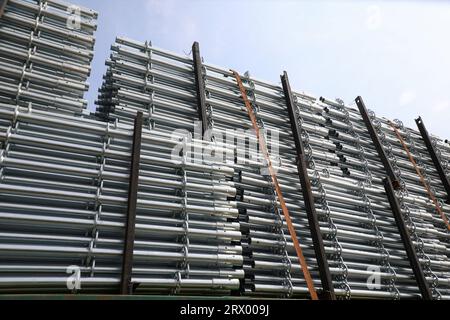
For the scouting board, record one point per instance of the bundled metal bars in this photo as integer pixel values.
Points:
(233, 197)
(80, 224)
(279, 195)
(46, 48)
(322, 261)
(428, 231)
(339, 124)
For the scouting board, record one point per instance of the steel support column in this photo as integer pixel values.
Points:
(376, 141)
(409, 247)
(127, 263)
(433, 155)
(319, 249)
(200, 87)
(3, 4)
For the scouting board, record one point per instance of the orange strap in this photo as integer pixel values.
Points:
(263, 146)
(422, 178)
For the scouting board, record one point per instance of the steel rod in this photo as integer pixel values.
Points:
(413, 259)
(322, 261)
(127, 265)
(432, 152)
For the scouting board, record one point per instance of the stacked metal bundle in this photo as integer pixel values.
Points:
(46, 48)
(63, 203)
(208, 214)
(356, 220)
(349, 223)
(160, 84)
(408, 155)
(366, 254)
(371, 244)
(191, 237)
(143, 78)
(271, 264)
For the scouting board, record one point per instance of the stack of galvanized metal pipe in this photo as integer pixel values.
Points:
(150, 80)
(208, 217)
(46, 48)
(365, 224)
(160, 84)
(66, 204)
(64, 200)
(428, 230)
(361, 238)
(271, 265)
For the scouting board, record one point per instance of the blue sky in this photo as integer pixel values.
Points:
(396, 54)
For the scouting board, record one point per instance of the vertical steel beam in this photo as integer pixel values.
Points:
(200, 87)
(319, 249)
(406, 239)
(433, 155)
(376, 141)
(127, 262)
(3, 4)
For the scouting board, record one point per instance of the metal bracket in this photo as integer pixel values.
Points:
(432, 151)
(3, 4)
(200, 87)
(376, 141)
(406, 239)
(126, 287)
(319, 249)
